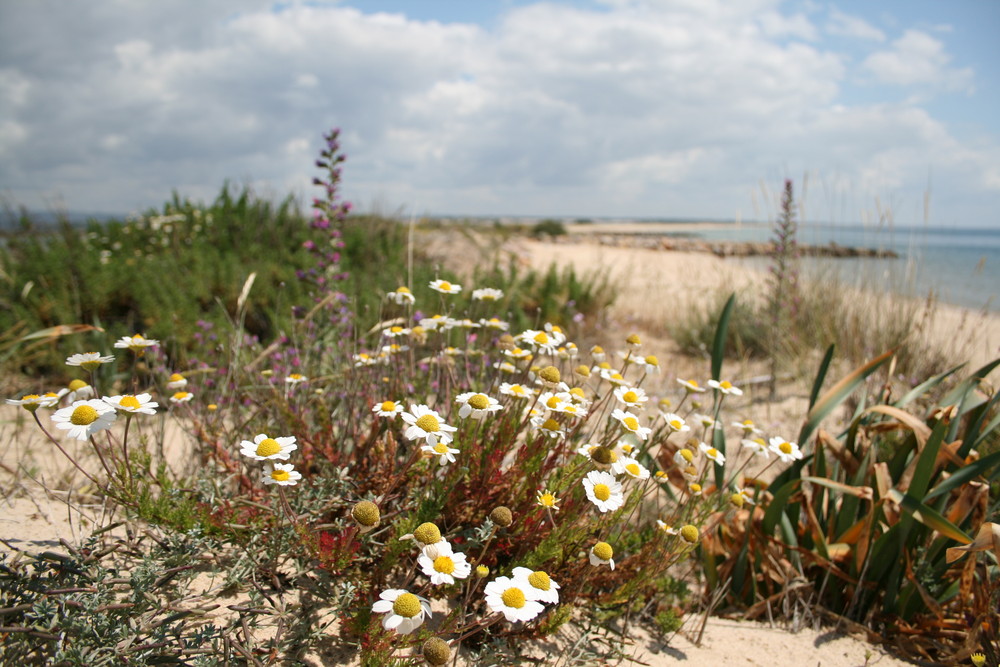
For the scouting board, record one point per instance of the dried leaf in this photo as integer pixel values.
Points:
(987, 538)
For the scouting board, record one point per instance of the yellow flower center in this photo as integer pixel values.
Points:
(687, 455)
(712, 453)
(695, 488)
(77, 385)
(295, 376)
(30, 397)
(513, 597)
(480, 401)
(83, 415)
(785, 447)
(541, 338)
(176, 377)
(552, 403)
(280, 475)
(603, 455)
(693, 383)
(689, 533)
(268, 447)
(725, 384)
(676, 424)
(617, 376)
(445, 285)
(604, 366)
(366, 513)
(138, 338)
(540, 580)
(547, 500)
(630, 396)
(429, 423)
(633, 340)
(748, 423)
(602, 492)
(441, 448)
(407, 605)
(130, 402)
(633, 469)
(427, 533)
(603, 551)
(389, 406)
(631, 423)
(652, 360)
(396, 329)
(403, 290)
(180, 396)
(444, 564)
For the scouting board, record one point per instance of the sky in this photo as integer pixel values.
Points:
(699, 109)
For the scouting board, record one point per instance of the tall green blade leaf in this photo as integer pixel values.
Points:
(837, 393)
(719, 344)
(824, 366)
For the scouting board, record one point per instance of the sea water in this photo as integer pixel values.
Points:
(958, 266)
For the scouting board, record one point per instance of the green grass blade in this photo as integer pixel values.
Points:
(964, 475)
(836, 395)
(719, 344)
(824, 366)
(777, 506)
(926, 386)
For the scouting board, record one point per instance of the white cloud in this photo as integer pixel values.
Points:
(846, 25)
(639, 108)
(916, 58)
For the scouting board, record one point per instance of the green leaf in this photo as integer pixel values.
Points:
(836, 395)
(925, 386)
(929, 517)
(963, 475)
(824, 366)
(719, 344)
(777, 506)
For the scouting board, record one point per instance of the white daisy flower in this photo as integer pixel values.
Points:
(505, 367)
(32, 402)
(786, 451)
(393, 348)
(427, 425)
(402, 296)
(494, 323)
(549, 427)
(89, 360)
(388, 409)
(264, 448)
(510, 597)
(626, 465)
(364, 359)
(537, 585)
(445, 287)
(477, 405)
(136, 343)
(138, 404)
(650, 364)
(517, 353)
(666, 528)
(602, 554)
(442, 451)
(707, 421)
(712, 453)
(675, 422)
(603, 490)
(181, 397)
(757, 446)
(748, 428)
(487, 294)
(598, 354)
(437, 323)
(631, 423)
(632, 397)
(77, 390)
(691, 386)
(295, 378)
(84, 418)
(556, 333)
(726, 387)
(176, 381)
(445, 565)
(282, 474)
(405, 612)
(515, 390)
(548, 500)
(683, 457)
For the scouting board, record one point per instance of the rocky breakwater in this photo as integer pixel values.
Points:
(722, 248)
